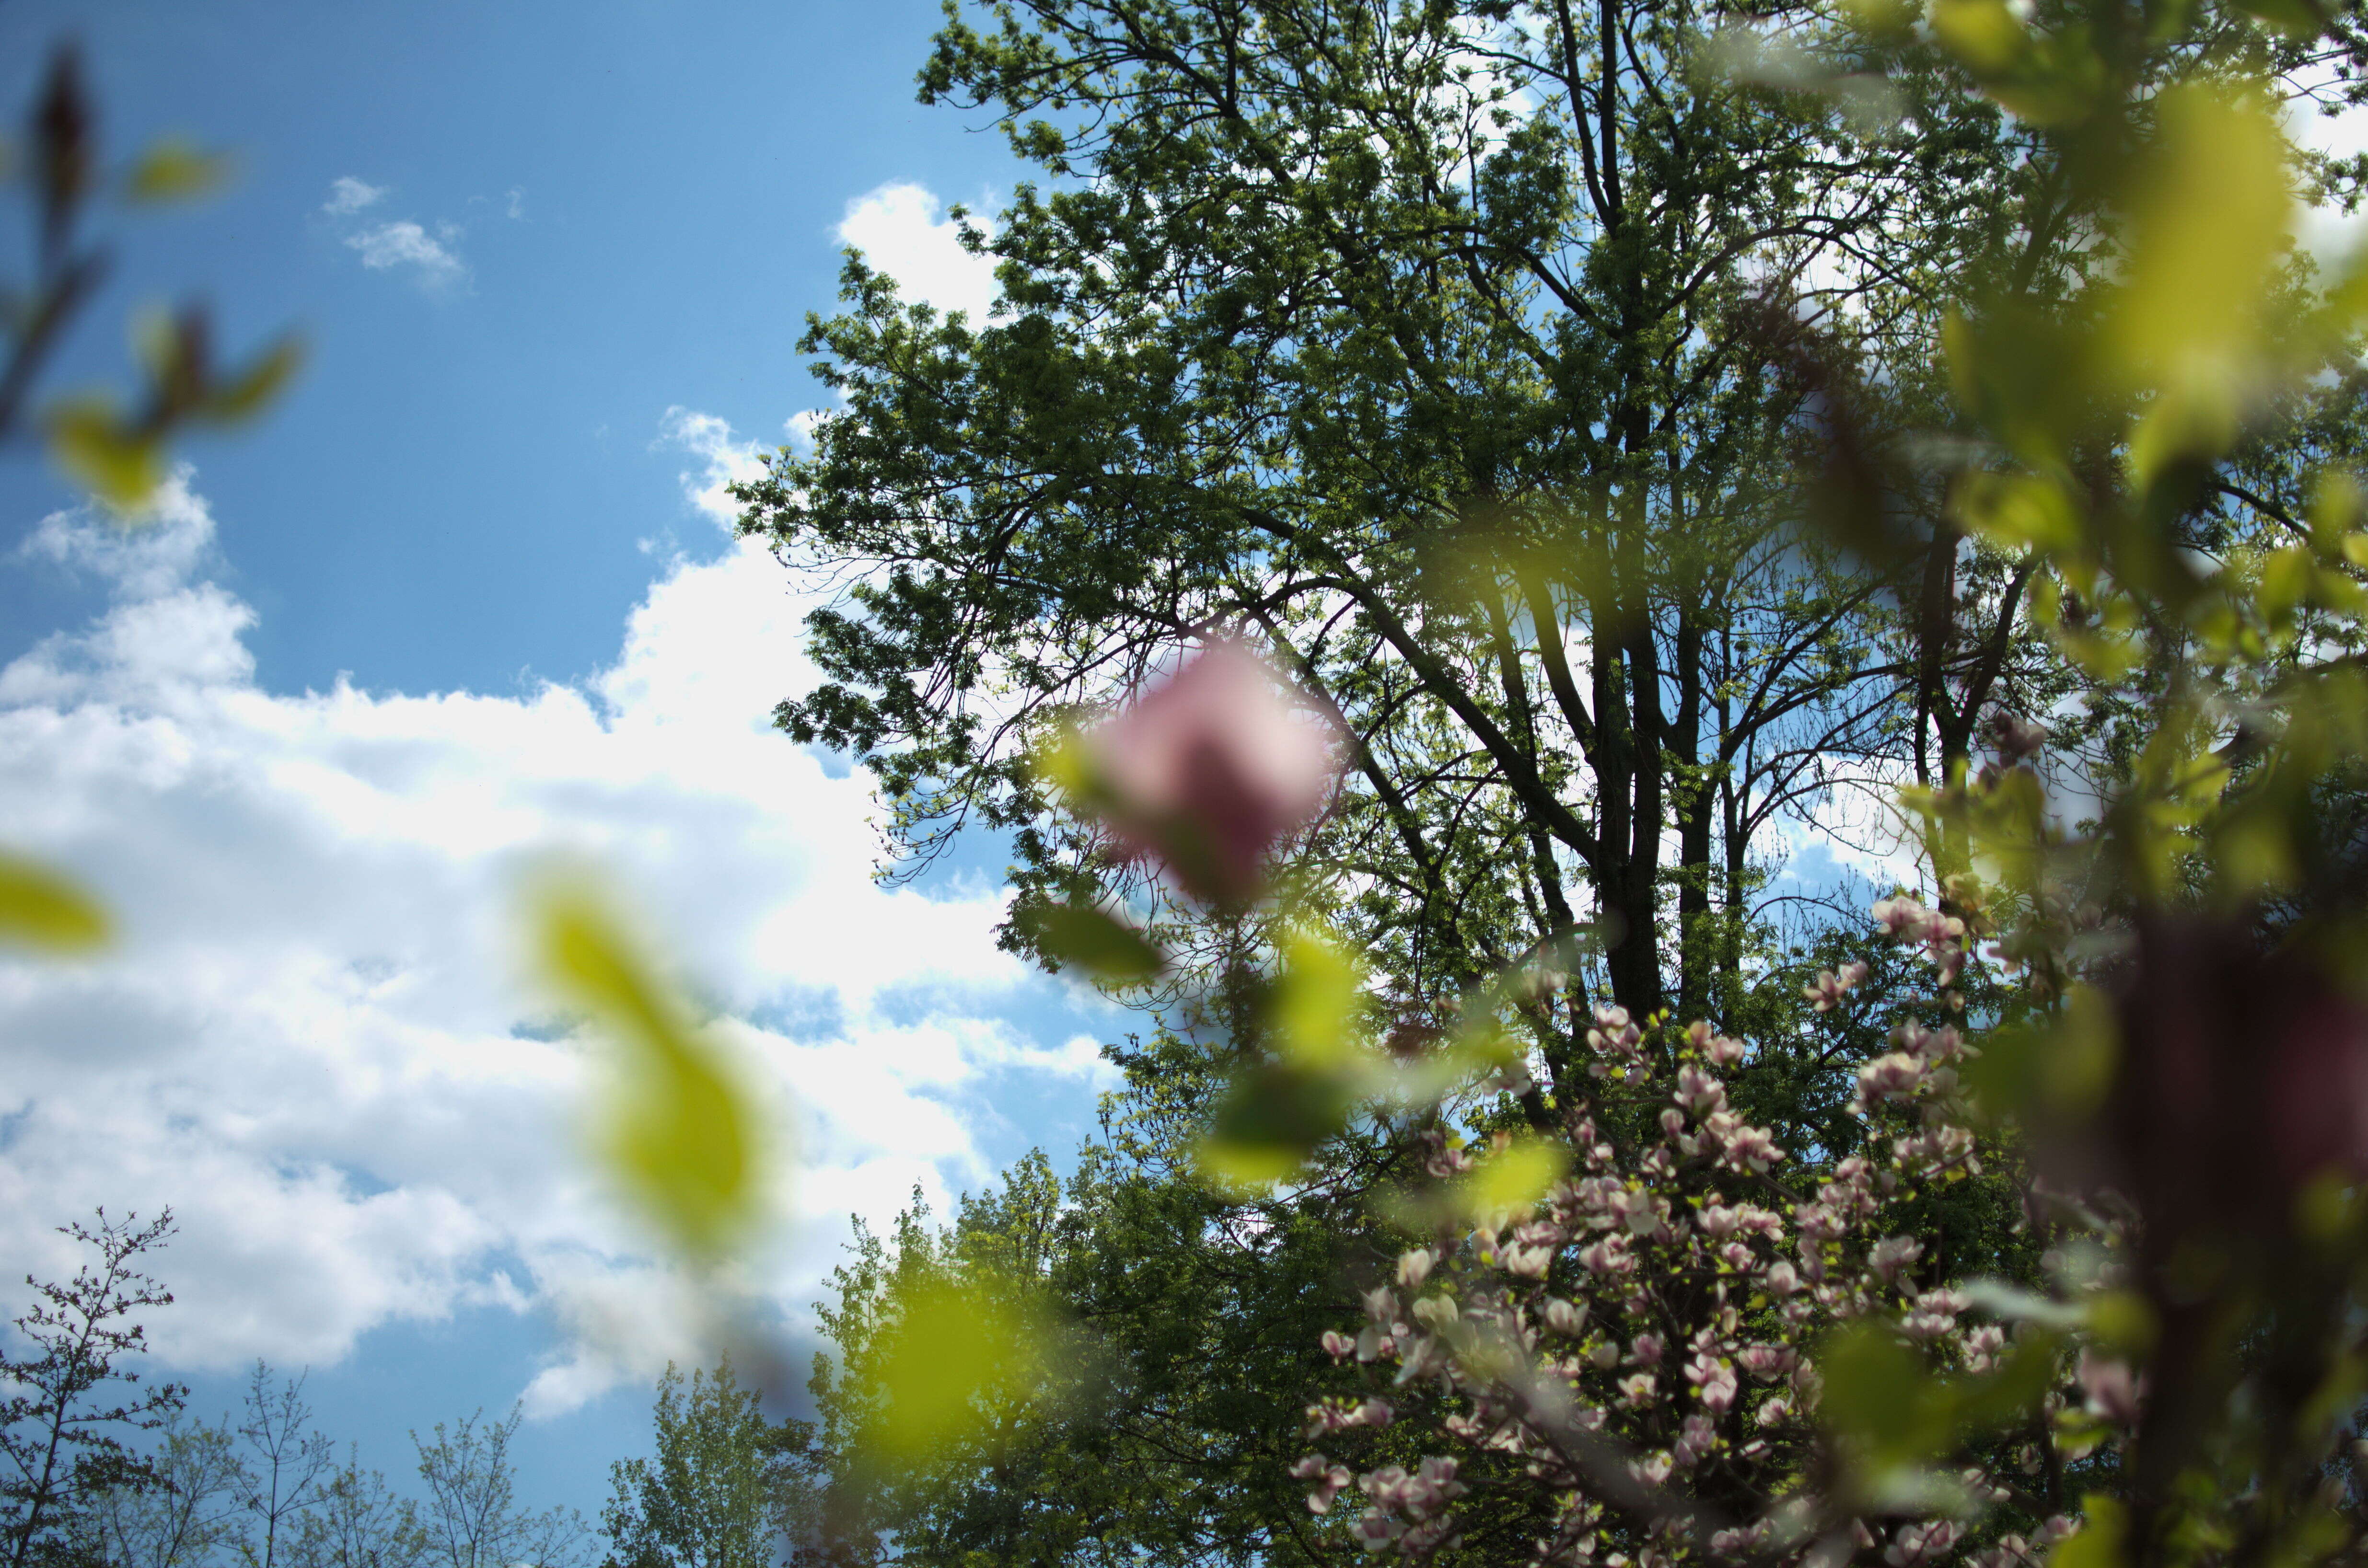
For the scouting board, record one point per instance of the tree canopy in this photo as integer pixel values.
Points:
(1637, 429)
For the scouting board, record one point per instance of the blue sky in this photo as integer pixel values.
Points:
(465, 598)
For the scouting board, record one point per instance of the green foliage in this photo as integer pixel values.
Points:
(1638, 426)
(720, 1489)
(470, 1517)
(73, 1398)
(1167, 1400)
(357, 1522)
(1462, 406)
(183, 1511)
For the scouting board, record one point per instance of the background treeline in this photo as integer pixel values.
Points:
(100, 1465)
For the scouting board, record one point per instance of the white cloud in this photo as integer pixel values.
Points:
(349, 196)
(406, 243)
(899, 231)
(399, 241)
(517, 205)
(729, 460)
(311, 1041)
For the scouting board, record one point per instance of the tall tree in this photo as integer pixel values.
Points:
(1430, 348)
(471, 1518)
(712, 1494)
(288, 1463)
(358, 1523)
(186, 1510)
(75, 1394)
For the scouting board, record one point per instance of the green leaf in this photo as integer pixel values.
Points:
(40, 908)
(1510, 1181)
(2298, 20)
(1983, 33)
(1878, 1394)
(959, 1355)
(174, 170)
(245, 395)
(121, 465)
(1100, 943)
(1317, 1002)
(2098, 1545)
(1272, 1118)
(682, 1135)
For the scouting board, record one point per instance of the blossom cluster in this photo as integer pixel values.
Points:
(1642, 1342)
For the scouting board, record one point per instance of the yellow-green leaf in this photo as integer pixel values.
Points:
(2209, 218)
(121, 465)
(959, 1355)
(42, 909)
(1510, 1181)
(1317, 1002)
(1271, 1119)
(682, 1135)
(1982, 33)
(174, 170)
(2098, 1545)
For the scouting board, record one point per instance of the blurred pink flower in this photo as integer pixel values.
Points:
(1211, 770)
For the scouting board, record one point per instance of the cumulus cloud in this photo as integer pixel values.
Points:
(728, 460)
(400, 243)
(349, 196)
(902, 231)
(312, 1040)
(406, 243)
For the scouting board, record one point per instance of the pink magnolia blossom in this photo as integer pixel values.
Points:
(1212, 769)
(1832, 985)
(1893, 1254)
(2114, 1393)
(1716, 1382)
(1565, 1318)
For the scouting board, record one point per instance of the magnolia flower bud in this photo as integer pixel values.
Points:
(1212, 769)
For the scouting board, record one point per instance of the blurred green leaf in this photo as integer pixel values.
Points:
(2298, 20)
(121, 465)
(961, 1353)
(2058, 1068)
(1983, 33)
(1100, 943)
(248, 393)
(1879, 1396)
(1277, 1111)
(2098, 1545)
(2210, 215)
(174, 170)
(1272, 1118)
(2019, 511)
(682, 1135)
(1510, 1181)
(42, 909)
(1317, 1002)
(1896, 1416)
